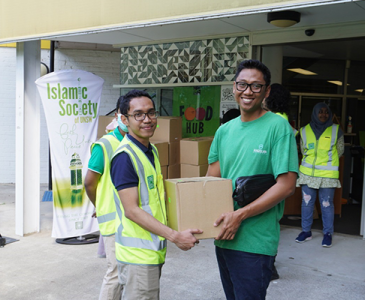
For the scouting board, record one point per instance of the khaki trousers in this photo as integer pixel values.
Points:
(111, 289)
(140, 282)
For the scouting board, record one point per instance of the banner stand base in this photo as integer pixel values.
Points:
(79, 240)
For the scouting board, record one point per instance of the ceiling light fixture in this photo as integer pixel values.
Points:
(336, 82)
(359, 90)
(284, 18)
(302, 71)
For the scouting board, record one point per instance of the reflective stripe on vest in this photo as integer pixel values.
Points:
(330, 162)
(156, 244)
(135, 249)
(105, 206)
(106, 218)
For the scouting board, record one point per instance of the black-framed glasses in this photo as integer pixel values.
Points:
(139, 116)
(255, 87)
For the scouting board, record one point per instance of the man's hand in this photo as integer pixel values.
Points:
(186, 240)
(231, 223)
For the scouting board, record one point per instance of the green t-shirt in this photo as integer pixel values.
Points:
(96, 161)
(263, 146)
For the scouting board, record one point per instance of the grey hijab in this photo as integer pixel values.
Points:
(317, 126)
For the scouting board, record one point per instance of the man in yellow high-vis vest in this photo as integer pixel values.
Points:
(141, 232)
(99, 189)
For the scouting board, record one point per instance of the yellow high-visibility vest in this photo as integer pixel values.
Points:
(133, 244)
(320, 157)
(283, 115)
(105, 205)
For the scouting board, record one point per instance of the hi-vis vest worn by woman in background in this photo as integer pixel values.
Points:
(320, 157)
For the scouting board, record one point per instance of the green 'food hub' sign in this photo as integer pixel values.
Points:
(199, 109)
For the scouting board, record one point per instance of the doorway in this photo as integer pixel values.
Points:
(332, 72)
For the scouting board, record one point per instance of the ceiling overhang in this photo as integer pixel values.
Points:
(97, 21)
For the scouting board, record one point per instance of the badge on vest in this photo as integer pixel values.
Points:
(150, 182)
(311, 146)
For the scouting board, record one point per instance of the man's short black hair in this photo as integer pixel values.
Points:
(124, 101)
(254, 64)
(278, 100)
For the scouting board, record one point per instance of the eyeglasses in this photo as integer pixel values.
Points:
(255, 87)
(141, 116)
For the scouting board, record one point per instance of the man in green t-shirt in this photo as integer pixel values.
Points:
(99, 188)
(256, 142)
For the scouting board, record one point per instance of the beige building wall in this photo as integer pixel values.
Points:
(44, 18)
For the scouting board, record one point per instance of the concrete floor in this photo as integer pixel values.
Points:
(36, 267)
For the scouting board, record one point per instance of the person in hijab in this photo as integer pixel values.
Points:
(322, 144)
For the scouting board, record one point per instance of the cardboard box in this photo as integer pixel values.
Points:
(164, 172)
(103, 121)
(169, 129)
(173, 171)
(174, 153)
(197, 203)
(193, 170)
(163, 152)
(195, 151)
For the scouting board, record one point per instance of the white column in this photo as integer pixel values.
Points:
(27, 141)
(272, 57)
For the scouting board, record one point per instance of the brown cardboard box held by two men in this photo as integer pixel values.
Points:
(197, 202)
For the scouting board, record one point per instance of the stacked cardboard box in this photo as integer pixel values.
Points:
(103, 121)
(163, 152)
(194, 156)
(197, 203)
(169, 130)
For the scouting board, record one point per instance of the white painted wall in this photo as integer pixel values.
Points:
(102, 63)
(7, 114)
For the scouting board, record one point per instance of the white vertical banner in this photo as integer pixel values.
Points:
(71, 100)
